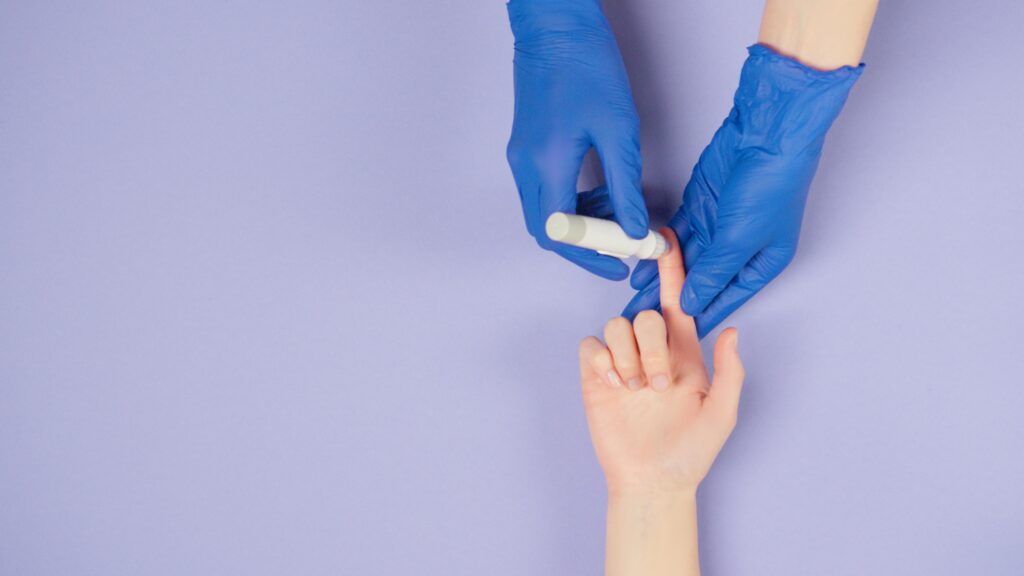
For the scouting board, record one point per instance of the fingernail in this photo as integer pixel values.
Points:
(660, 382)
(614, 379)
(633, 384)
(736, 341)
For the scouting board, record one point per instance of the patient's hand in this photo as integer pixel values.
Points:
(656, 422)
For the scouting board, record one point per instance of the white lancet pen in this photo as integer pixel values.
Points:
(604, 236)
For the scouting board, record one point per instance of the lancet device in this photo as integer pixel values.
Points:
(604, 236)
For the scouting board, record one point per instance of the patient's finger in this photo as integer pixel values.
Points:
(596, 363)
(618, 333)
(652, 338)
(682, 332)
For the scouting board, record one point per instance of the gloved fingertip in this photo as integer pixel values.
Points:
(636, 306)
(649, 298)
(609, 269)
(644, 272)
(617, 275)
(704, 328)
(689, 301)
(709, 320)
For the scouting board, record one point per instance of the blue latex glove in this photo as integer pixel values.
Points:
(740, 219)
(571, 94)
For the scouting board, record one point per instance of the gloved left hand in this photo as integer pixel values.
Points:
(742, 209)
(572, 94)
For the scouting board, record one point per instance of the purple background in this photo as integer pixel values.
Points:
(267, 304)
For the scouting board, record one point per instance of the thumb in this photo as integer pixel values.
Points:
(723, 398)
(621, 161)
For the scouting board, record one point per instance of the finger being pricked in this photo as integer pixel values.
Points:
(682, 330)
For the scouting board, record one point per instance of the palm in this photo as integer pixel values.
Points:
(649, 436)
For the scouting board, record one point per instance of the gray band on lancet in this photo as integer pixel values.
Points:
(561, 228)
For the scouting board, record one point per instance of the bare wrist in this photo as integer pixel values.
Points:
(652, 533)
(823, 34)
(652, 500)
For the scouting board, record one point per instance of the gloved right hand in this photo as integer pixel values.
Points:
(571, 94)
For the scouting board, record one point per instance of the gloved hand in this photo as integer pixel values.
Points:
(571, 94)
(740, 219)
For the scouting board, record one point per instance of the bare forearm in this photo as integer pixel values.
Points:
(652, 534)
(823, 34)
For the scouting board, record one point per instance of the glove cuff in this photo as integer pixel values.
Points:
(784, 106)
(530, 18)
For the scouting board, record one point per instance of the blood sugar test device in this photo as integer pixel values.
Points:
(604, 236)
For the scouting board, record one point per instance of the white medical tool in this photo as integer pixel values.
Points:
(604, 236)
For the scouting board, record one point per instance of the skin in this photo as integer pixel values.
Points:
(657, 438)
(823, 34)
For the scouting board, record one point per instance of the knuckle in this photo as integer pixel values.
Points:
(593, 352)
(525, 158)
(627, 368)
(515, 153)
(657, 359)
(604, 360)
